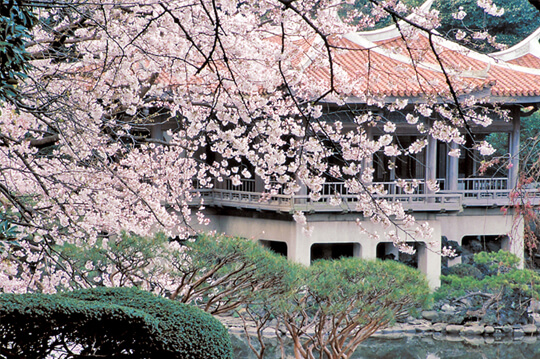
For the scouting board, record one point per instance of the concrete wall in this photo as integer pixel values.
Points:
(329, 229)
(342, 228)
(487, 222)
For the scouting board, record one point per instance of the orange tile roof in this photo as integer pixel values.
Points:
(527, 60)
(385, 69)
(506, 81)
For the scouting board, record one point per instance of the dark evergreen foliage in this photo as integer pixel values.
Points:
(15, 22)
(519, 20)
(493, 290)
(108, 322)
(464, 270)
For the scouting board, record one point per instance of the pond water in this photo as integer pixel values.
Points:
(421, 347)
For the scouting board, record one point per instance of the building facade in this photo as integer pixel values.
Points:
(468, 207)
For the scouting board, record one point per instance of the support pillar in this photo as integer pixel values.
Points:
(368, 162)
(515, 241)
(156, 131)
(300, 251)
(429, 263)
(391, 249)
(452, 170)
(513, 171)
(431, 162)
(369, 249)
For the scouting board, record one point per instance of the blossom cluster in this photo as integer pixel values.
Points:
(83, 154)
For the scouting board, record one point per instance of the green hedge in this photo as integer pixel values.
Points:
(112, 322)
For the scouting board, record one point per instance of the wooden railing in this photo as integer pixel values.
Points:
(332, 188)
(246, 185)
(249, 200)
(473, 192)
(415, 202)
(284, 203)
(482, 184)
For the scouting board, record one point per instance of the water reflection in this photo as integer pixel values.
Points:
(449, 347)
(426, 347)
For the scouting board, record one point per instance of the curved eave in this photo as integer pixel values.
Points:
(391, 31)
(521, 100)
(529, 45)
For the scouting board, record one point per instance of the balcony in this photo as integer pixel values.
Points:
(472, 192)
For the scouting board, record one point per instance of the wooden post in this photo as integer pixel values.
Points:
(431, 162)
(513, 171)
(452, 170)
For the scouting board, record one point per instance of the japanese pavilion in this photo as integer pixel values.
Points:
(467, 207)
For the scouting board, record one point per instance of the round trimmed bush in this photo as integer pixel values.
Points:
(108, 322)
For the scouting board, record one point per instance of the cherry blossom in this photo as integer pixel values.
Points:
(149, 104)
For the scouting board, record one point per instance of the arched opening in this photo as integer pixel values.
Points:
(387, 251)
(275, 246)
(475, 244)
(334, 250)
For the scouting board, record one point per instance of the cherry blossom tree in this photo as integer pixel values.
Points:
(229, 80)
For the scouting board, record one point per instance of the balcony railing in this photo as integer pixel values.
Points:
(246, 185)
(408, 187)
(482, 184)
(414, 202)
(464, 185)
(482, 192)
(284, 203)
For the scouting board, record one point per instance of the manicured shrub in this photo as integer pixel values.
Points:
(500, 295)
(465, 270)
(108, 322)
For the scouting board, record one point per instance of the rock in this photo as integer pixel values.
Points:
(423, 328)
(430, 315)
(269, 333)
(451, 317)
(488, 329)
(489, 340)
(518, 334)
(472, 330)
(529, 329)
(536, 319)
(395, 335)
(418, 322)
(507, 329)
(535, 306)
(438, 327)
(448, 308)
(453, 329)
(475, 341)
(453, 338)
